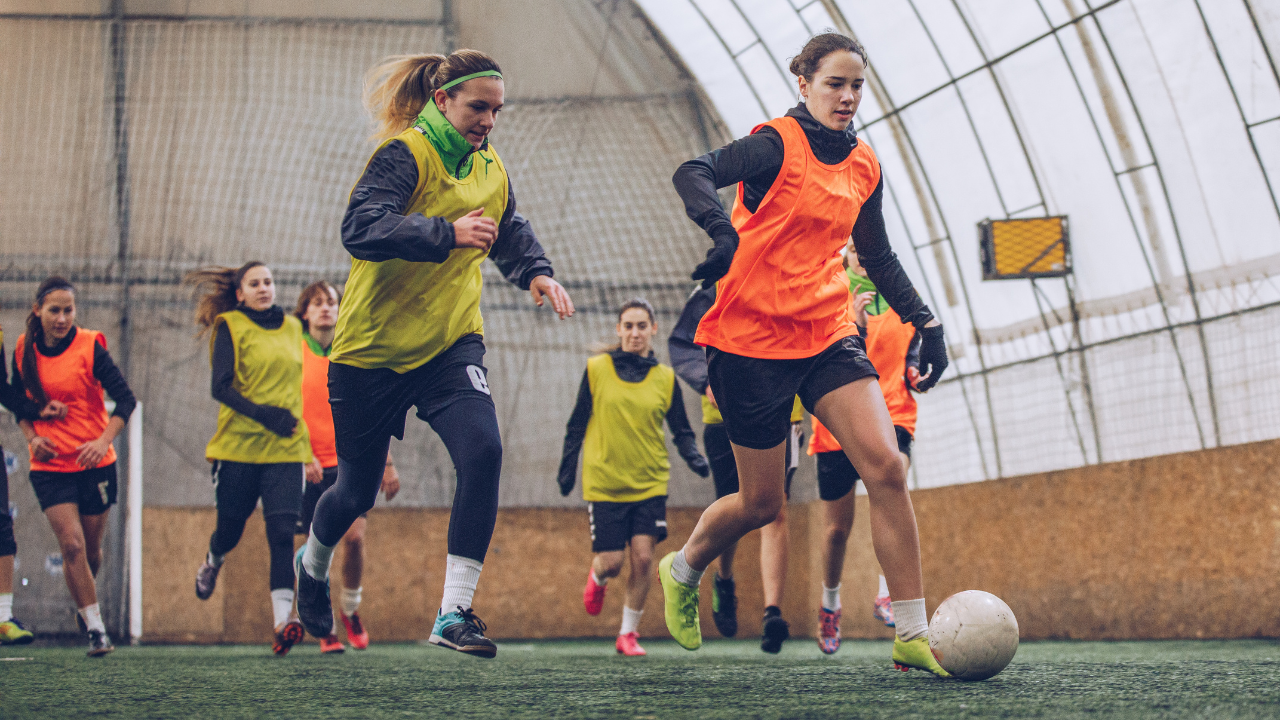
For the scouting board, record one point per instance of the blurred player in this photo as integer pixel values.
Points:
(433, 203)
(782, 325)
(318, 311)
(690, 363)
(624, 397)
(73, 464)
(261, 444)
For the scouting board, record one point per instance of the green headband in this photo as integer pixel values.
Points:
(472, 76)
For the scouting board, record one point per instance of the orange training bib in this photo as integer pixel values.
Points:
(69, 378)
(315, 406)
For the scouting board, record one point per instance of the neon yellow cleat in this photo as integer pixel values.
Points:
(916, 654)
(681, 607)
(12, 633)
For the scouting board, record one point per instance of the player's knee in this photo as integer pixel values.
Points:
(884, 473)
(641, 562)
(764, 509)
(609, 565)
(280, 529)
(73, 551)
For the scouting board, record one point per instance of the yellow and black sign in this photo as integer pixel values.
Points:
(1024, 248)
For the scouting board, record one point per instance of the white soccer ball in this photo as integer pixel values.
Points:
(973, 634)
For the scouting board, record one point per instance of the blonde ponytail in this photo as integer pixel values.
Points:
(396, 89)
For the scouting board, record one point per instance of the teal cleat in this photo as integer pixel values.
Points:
(463, 631)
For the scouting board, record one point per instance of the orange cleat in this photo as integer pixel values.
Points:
(356, 634)
(331, 645)
(629, 644)
(593, 595)
(286, 637)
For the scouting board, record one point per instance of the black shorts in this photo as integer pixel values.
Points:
(237, 487)
(613, 524)
(369, 405)
(724, 469)
(93, 491)
(311, 495)
(837, 476)
(755, 395)
(8, 546)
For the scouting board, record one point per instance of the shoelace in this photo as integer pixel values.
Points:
(472, 620)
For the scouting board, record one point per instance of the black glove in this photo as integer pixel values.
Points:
(699, 466)
(719, 258)
(567, 481)
(933, 357)
(277, 420)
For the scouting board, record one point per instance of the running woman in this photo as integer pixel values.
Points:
(624, 396)
(433, 203)
(73, 464)
(782, 325)
(690, 363)
(318, 311)
(894, 348)
(12, 631)
(261, 444)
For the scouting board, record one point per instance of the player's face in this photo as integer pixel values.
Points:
(852, 256)
(474, 110)
(833, 96)
(636, 331)
(57, 314)
(257, 290)
(322, 313)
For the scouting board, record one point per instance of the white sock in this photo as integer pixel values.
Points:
(884, 588)
(6, 607)
(598, 580)
(350, 600)
(316, 558)
(683, 573)
(93, 618)
(215, 560)
(831, 598)
(281, 606)
(909, 619)
(630, 620)
(461, 575)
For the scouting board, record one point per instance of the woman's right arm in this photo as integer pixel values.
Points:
(574, 432)
(688, 359)
(375, 227)
(277, 420)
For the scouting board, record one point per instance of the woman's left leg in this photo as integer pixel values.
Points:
(95, 526)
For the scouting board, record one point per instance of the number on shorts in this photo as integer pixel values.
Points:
(478, 380)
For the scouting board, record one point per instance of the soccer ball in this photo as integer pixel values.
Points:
(973, 634)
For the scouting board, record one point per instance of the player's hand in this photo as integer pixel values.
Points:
(92, 452)
(566, 483)
(719, 258)
(711, 397)
(314, 473)
(543, 287)
(474, 231)
(933, 357)
(277, 420)
(860, 303)
(913, 377)
(390, 482)
(53, 410)
(700, 466)
(42, 448)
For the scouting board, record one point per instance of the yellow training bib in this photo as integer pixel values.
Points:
(625, 450)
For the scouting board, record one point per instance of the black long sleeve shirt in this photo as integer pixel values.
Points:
(756, 160)
(631, 368)
(688, 358)
(224, 361)
(14, 397)
(376, 228)
(104, 371)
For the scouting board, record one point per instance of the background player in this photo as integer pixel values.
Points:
(624, 396)
(260, 444)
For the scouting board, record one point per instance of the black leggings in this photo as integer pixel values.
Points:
(239, 485)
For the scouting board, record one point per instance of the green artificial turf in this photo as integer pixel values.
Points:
(725, 679)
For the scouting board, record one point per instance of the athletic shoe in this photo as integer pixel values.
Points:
(775, 632)
(724, 606)
(356, 634)
(629, 644)
(681, 607)
(13, 633)
(314, 609)
(593, 595)
(916, 654)
(884, 610)
(331, 645)
(99, 643)
(463, 631)
(829, 630)
(286, 637)
(206, 579)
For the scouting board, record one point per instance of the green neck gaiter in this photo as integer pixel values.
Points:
(455, 152)
(859, 284)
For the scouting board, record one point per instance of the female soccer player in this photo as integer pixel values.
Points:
(782, 325)
(260, 445)
(624, 396)
(433, 203)
(318, 311)
(73, 465)
(690, 363)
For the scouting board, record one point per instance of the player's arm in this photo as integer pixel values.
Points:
(375, 227)
(14, 396)
(574, 432)
(689, 359)
(523, 262)
(276, 419)
(685, 440)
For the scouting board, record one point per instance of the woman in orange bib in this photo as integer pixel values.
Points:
(782, 325)
(73, 465)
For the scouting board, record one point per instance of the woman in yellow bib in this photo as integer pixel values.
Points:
(617, 426)
(433, 203)
(261, 442)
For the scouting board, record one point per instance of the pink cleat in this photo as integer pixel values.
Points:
(593, 596)
(629, 644)
(829, 632)
(884, 611)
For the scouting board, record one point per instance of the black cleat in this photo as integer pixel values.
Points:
(206, 579)
(724, 606)
(99, 643)
(314, 608)
(776, 630)
(463, 631)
